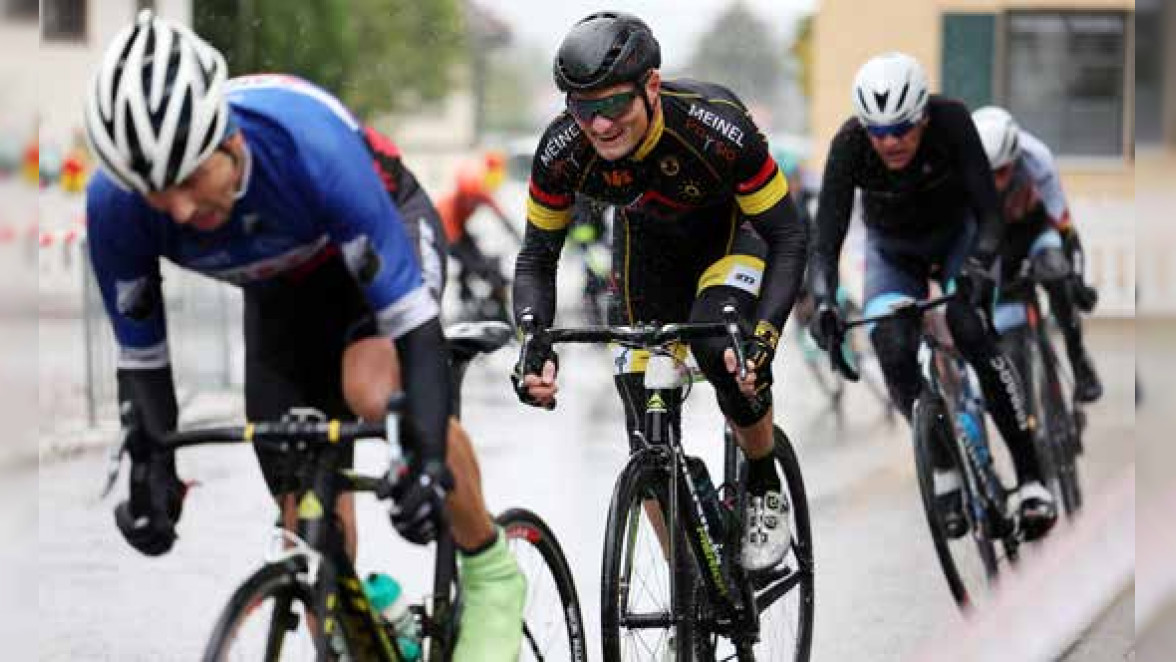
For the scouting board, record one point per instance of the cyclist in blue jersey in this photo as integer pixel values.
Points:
(269, 183)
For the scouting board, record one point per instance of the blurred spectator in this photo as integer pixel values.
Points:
(31, 164)
(474, 188)
(75, 168)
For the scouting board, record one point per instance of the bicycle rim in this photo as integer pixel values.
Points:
(969, 563)
(553, 628)
(637, 616)
(270, 617)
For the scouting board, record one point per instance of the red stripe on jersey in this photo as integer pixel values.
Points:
(549, 199)
(765, 172)
(381, 143)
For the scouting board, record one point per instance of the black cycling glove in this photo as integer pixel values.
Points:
(536, 351)
(759, 349)
(419, 501)
(148, 518)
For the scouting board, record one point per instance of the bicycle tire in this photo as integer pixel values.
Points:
(275, 581)
(528, 528)
(641, 479)
(1061, 428)
(928, 426)
(802, 543)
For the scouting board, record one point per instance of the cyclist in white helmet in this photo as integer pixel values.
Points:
(1038, 228)
(931, 212)
(270, 183)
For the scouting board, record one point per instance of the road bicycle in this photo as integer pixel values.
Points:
(1059, 420)
(948, 415)
(307, 602)
(672, 585)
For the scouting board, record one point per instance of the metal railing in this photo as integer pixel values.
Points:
(204, 322)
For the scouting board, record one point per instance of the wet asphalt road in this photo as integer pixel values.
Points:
(879, 590)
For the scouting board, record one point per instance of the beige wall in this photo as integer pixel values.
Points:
(58, 80)
(848, 32)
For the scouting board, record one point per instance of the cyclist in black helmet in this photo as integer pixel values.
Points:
(703, 218)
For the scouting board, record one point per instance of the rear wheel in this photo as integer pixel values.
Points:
(270, 617)
(552, 625)
(969, 562)
(785, 595)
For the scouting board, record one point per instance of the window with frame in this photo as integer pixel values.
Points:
(63, 20)
(21, 10)
(1064, 79)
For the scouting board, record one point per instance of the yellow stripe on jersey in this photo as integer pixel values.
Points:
(651, 137)
(767, 196)
(546, 218)
(742, 271)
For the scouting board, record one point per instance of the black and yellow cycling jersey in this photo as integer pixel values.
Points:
(702, 172)
(703, 150)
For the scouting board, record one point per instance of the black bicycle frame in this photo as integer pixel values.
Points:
(339, 595)
(726, 586)
(713, 558)
(944, 373)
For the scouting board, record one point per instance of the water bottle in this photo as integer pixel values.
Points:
(387, 597)
(715, 513)
(969, 426)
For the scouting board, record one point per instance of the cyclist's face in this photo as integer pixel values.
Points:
(205, 199)
(896, 151)
(614, 138)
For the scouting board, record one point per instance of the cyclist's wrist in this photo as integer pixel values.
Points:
(767, 333)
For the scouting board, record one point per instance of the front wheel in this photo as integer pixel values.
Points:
(552, 626)
(1062, 427)
(968, 562)
(647, 601)
(269, 617)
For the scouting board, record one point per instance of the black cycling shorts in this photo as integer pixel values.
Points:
(296, 332)
(662, 283)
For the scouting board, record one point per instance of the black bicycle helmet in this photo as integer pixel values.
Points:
(604, 49)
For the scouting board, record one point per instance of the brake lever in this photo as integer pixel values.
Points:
(114, 463)
(528, 328)
(731, 318)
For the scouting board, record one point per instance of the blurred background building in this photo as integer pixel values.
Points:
(1065, 68)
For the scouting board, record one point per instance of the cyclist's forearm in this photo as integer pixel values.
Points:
(534, 283)
(424, 362)
(787, 238)
(152, 394)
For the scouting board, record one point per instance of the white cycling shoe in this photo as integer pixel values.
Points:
(1035, 508)
(767, 532)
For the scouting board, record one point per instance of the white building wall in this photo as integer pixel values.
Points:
(48, 77)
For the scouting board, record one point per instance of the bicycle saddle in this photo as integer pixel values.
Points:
(468, 339)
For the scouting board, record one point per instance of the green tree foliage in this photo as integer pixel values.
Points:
(405, 52)
(740, 52)
(374, 54)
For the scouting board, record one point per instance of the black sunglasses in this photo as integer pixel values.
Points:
(610, 107)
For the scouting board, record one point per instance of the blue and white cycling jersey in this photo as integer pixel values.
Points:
(309, 182)
(1036, 166)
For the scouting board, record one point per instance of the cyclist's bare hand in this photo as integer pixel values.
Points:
(542, 388)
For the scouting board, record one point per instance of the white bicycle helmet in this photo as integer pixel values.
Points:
(890, 89)
(999, 133)
(155, 108)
